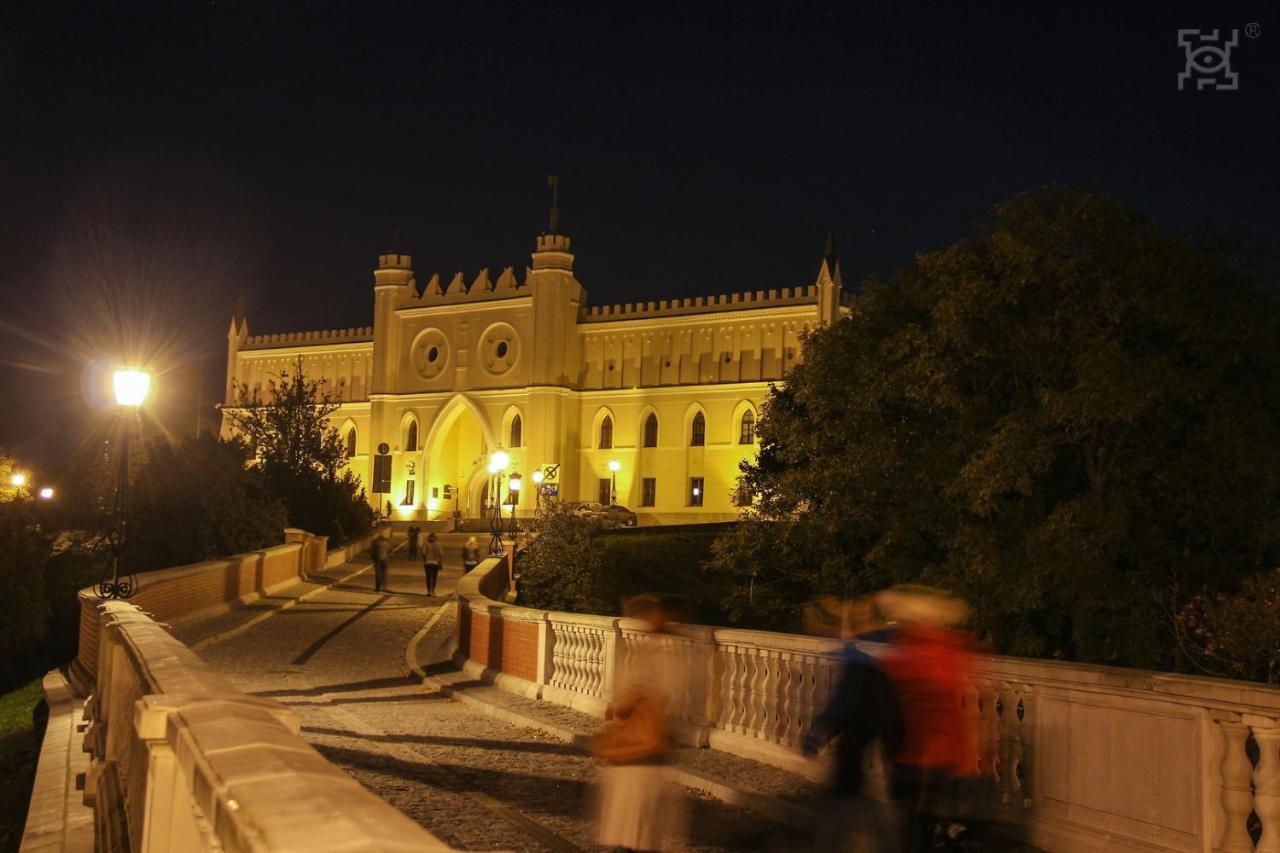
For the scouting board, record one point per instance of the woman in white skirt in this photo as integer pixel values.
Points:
(641, 808)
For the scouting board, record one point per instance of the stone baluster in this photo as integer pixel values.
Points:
(1266, 785)
(1237, 791)
(786, 703)
(741, 676)
(988, 743)
(1023, 753)
(1005, 718)
(756, 672)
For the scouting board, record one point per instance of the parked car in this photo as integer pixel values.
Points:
(603, 514)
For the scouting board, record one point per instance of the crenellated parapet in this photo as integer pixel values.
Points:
(745, 300)
(457, 289)
(359, 334)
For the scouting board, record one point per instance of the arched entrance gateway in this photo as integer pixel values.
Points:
(456, 454)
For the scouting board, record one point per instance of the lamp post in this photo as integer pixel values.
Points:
(18, 480)
(497, 464)
(538, 477)
(614, 465)
(514, 486)
(131, 386)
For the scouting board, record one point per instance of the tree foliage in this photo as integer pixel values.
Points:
(1064, 419)
(196, 500)
(563, 567)
(301, 455)
(24, 553)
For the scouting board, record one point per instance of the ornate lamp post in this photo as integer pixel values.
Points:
(131, 386)
(497, 464)
(614, 465)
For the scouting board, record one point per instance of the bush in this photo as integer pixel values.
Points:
(573, 565)
(1235, 633)
(24, 553)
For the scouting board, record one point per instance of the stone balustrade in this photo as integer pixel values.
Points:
(1088, 757)
(181, 760)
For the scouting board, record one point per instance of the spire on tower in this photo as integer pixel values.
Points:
(553, 183)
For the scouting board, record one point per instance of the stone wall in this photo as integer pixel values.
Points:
(1087, 757)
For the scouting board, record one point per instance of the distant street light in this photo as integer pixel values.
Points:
(514, 481)
(497, 464)
(46, 493)
(18, 480)
(131, 386)
(614, 465)
(538, 477)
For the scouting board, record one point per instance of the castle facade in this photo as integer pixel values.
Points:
(668, 391)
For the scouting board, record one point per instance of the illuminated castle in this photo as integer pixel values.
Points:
(453, 370)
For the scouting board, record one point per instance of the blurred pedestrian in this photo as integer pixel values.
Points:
(380, 551)
(470, 555)
(432, 561)
(863, 709)
(413, 541)
(928, 665)
(641, 808)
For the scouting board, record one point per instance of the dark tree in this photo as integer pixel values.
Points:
(1067, 419)
(301, 455)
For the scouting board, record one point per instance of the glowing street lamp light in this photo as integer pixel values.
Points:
(130, 386)
(614, 465)
(46, 493)
(18, 480)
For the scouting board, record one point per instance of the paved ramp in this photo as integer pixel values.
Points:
(338, 659)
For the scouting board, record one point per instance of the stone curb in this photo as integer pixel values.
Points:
(774, 808)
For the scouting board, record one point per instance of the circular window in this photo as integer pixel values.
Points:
(500, 346)
(429, 353)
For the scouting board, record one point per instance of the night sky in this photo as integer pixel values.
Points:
(156, 161)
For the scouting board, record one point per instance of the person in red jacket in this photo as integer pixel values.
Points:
(928, 667)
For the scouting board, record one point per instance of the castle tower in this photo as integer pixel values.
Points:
(392, 284)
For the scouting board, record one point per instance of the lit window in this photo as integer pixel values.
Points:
(351, 442)
(411, 438)
(606, 433)
(651, 431)
(695, 491)
(517, 432)
(698, 434)
(747, 433)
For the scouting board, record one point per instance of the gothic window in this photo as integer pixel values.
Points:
(606, 433)
(651, 431)
(411, 437)
(698, 434)
(517, 432)
(747, 432)
(649, 493)
(351, 442)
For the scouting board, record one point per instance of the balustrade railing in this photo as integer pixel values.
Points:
(1093, 758)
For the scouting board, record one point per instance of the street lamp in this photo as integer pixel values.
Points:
(131, 386)
(46, 493)
(18, 480)
(614, 465)
(538, 477)
(514, 481)
(497, 464)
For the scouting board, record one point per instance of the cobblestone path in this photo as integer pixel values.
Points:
(338, 659)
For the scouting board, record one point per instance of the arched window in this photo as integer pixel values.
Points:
(606, 433)
(747, 431)
(698, 434)
(651, 430)
(517, 432)
(351, 442)
(411, 437)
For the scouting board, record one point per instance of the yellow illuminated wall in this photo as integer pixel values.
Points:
(464, 359)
